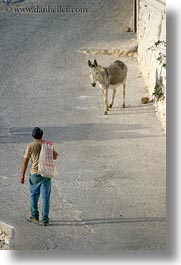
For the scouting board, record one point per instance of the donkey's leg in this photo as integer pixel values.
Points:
(113, 96)
(124, 86)
(106, 101)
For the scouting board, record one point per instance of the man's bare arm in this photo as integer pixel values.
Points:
(23, 171)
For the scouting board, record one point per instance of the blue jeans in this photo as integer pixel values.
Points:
(40, 185)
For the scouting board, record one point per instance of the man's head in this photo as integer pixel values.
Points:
(37, 133)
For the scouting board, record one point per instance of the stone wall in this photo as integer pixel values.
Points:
(151, 29)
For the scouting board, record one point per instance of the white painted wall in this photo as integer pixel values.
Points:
(151, 28)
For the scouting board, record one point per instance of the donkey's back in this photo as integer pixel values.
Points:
(117, 72)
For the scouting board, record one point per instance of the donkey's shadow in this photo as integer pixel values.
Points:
(132, 109)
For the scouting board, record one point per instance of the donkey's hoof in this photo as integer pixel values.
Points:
(110, 106)
(124, 106)
(105, 112)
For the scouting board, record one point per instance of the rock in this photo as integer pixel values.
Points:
(6, 247)
(129, 29)
(145, 100)
(2, 236)
(7, 239)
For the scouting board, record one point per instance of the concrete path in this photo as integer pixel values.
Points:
(110, 193)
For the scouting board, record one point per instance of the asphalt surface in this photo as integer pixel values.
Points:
(111, 190)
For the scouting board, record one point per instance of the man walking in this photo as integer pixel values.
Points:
(38, 184)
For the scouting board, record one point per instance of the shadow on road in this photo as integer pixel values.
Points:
(78, 132)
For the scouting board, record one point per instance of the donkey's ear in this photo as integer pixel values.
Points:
(95, 63)
(89, 63)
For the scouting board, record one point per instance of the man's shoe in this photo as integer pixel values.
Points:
(44, 223)
(33, 219)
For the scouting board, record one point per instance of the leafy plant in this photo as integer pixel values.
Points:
(158, 93)
(160, 45)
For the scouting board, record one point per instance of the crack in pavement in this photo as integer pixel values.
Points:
(107, 221)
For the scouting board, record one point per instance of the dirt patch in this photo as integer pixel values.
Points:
(125, 52)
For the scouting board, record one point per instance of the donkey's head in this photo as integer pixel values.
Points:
(94, 73)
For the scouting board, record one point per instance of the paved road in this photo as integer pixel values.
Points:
(110, 193)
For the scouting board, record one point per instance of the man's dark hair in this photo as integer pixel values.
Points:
(37, 133)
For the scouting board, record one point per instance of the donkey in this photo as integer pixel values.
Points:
(109, 77)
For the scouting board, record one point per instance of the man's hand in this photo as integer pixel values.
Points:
(22, 179)
(55, 155)
(23, 171)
